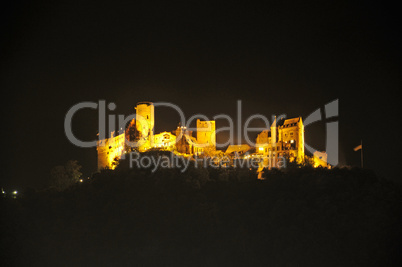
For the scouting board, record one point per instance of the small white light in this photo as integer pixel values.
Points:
(81, 180)
(15, 192)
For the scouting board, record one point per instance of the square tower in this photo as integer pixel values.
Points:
(291, 133)
(206, 134)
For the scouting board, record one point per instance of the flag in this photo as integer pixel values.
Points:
(357, 148)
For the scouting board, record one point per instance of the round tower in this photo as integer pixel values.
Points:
(145, 121)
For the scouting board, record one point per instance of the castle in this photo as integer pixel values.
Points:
(285, 138)
(140, 134)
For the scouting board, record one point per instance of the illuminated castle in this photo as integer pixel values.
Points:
(140, 134)
(284, 139)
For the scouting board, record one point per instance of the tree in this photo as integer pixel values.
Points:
(63, 177)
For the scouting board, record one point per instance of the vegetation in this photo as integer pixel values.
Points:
(207, 217)
(65, 176)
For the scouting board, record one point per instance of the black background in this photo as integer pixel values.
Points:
(282, 57)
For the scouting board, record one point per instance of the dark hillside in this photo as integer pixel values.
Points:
(207, 217)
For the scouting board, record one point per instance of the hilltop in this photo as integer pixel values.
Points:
(208, 217)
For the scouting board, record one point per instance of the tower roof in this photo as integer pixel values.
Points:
(274, 123)
(289, 122)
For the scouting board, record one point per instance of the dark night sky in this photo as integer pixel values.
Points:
(280, 57)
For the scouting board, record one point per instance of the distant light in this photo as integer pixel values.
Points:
(292, 141)
(261, 148)
(81, 180)
(15, 192)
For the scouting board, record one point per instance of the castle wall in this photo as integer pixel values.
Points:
(320, 159)
(110, 149)
(165, 140)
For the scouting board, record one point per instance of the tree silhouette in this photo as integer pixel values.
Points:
(63, 177)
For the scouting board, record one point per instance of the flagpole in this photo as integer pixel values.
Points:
(361, 152)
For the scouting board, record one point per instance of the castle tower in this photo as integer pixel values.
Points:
(184, 143)
(300, 154)
(145, 121)
(206, 133)
(182, 130)
(292, 135)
